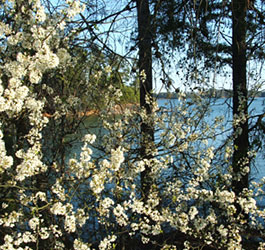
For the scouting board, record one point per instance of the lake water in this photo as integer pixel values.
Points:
(219, 107)
(256, 107)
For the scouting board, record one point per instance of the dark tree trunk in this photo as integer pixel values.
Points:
(146, 86)
(240, 96)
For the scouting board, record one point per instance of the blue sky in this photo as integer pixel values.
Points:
(118, 36)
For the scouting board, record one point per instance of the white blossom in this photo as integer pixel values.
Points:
(193, 212)
(34, 223)
(106, 242)
(69, 224)
(117, 158)
(78, 244)
(58, 209)
(90, 138)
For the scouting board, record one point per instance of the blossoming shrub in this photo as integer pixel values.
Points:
(36, 212)
(190, 195)
(95, 202)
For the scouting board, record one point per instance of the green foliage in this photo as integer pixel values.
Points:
(129, 94)
(201, 30)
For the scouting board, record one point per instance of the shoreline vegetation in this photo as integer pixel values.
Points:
(120, 108)
(210, 93)
(117, 110)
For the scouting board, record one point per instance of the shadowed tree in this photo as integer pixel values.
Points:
(145, 70)
(240, 97)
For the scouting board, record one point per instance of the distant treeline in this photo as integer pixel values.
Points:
(215, 93)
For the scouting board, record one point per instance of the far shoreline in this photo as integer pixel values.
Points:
(117, 110)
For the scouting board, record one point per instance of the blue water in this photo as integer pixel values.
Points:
(218, 107)
(256, 107)
(223, 107)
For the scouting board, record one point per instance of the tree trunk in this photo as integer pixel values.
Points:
(240, 97)
(146, 86)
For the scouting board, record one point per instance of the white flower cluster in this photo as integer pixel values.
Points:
(31, 44)
(121, 216)
(9, 220)
(31, 164)
(58, 190)
(5, 161)
(116, 159)
(78, 244)
(75, 7)
(58, 209)
(107, 242)
(34, 223)
(97, 182)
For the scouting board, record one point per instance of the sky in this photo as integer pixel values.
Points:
(119, 40)
(118, 36)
